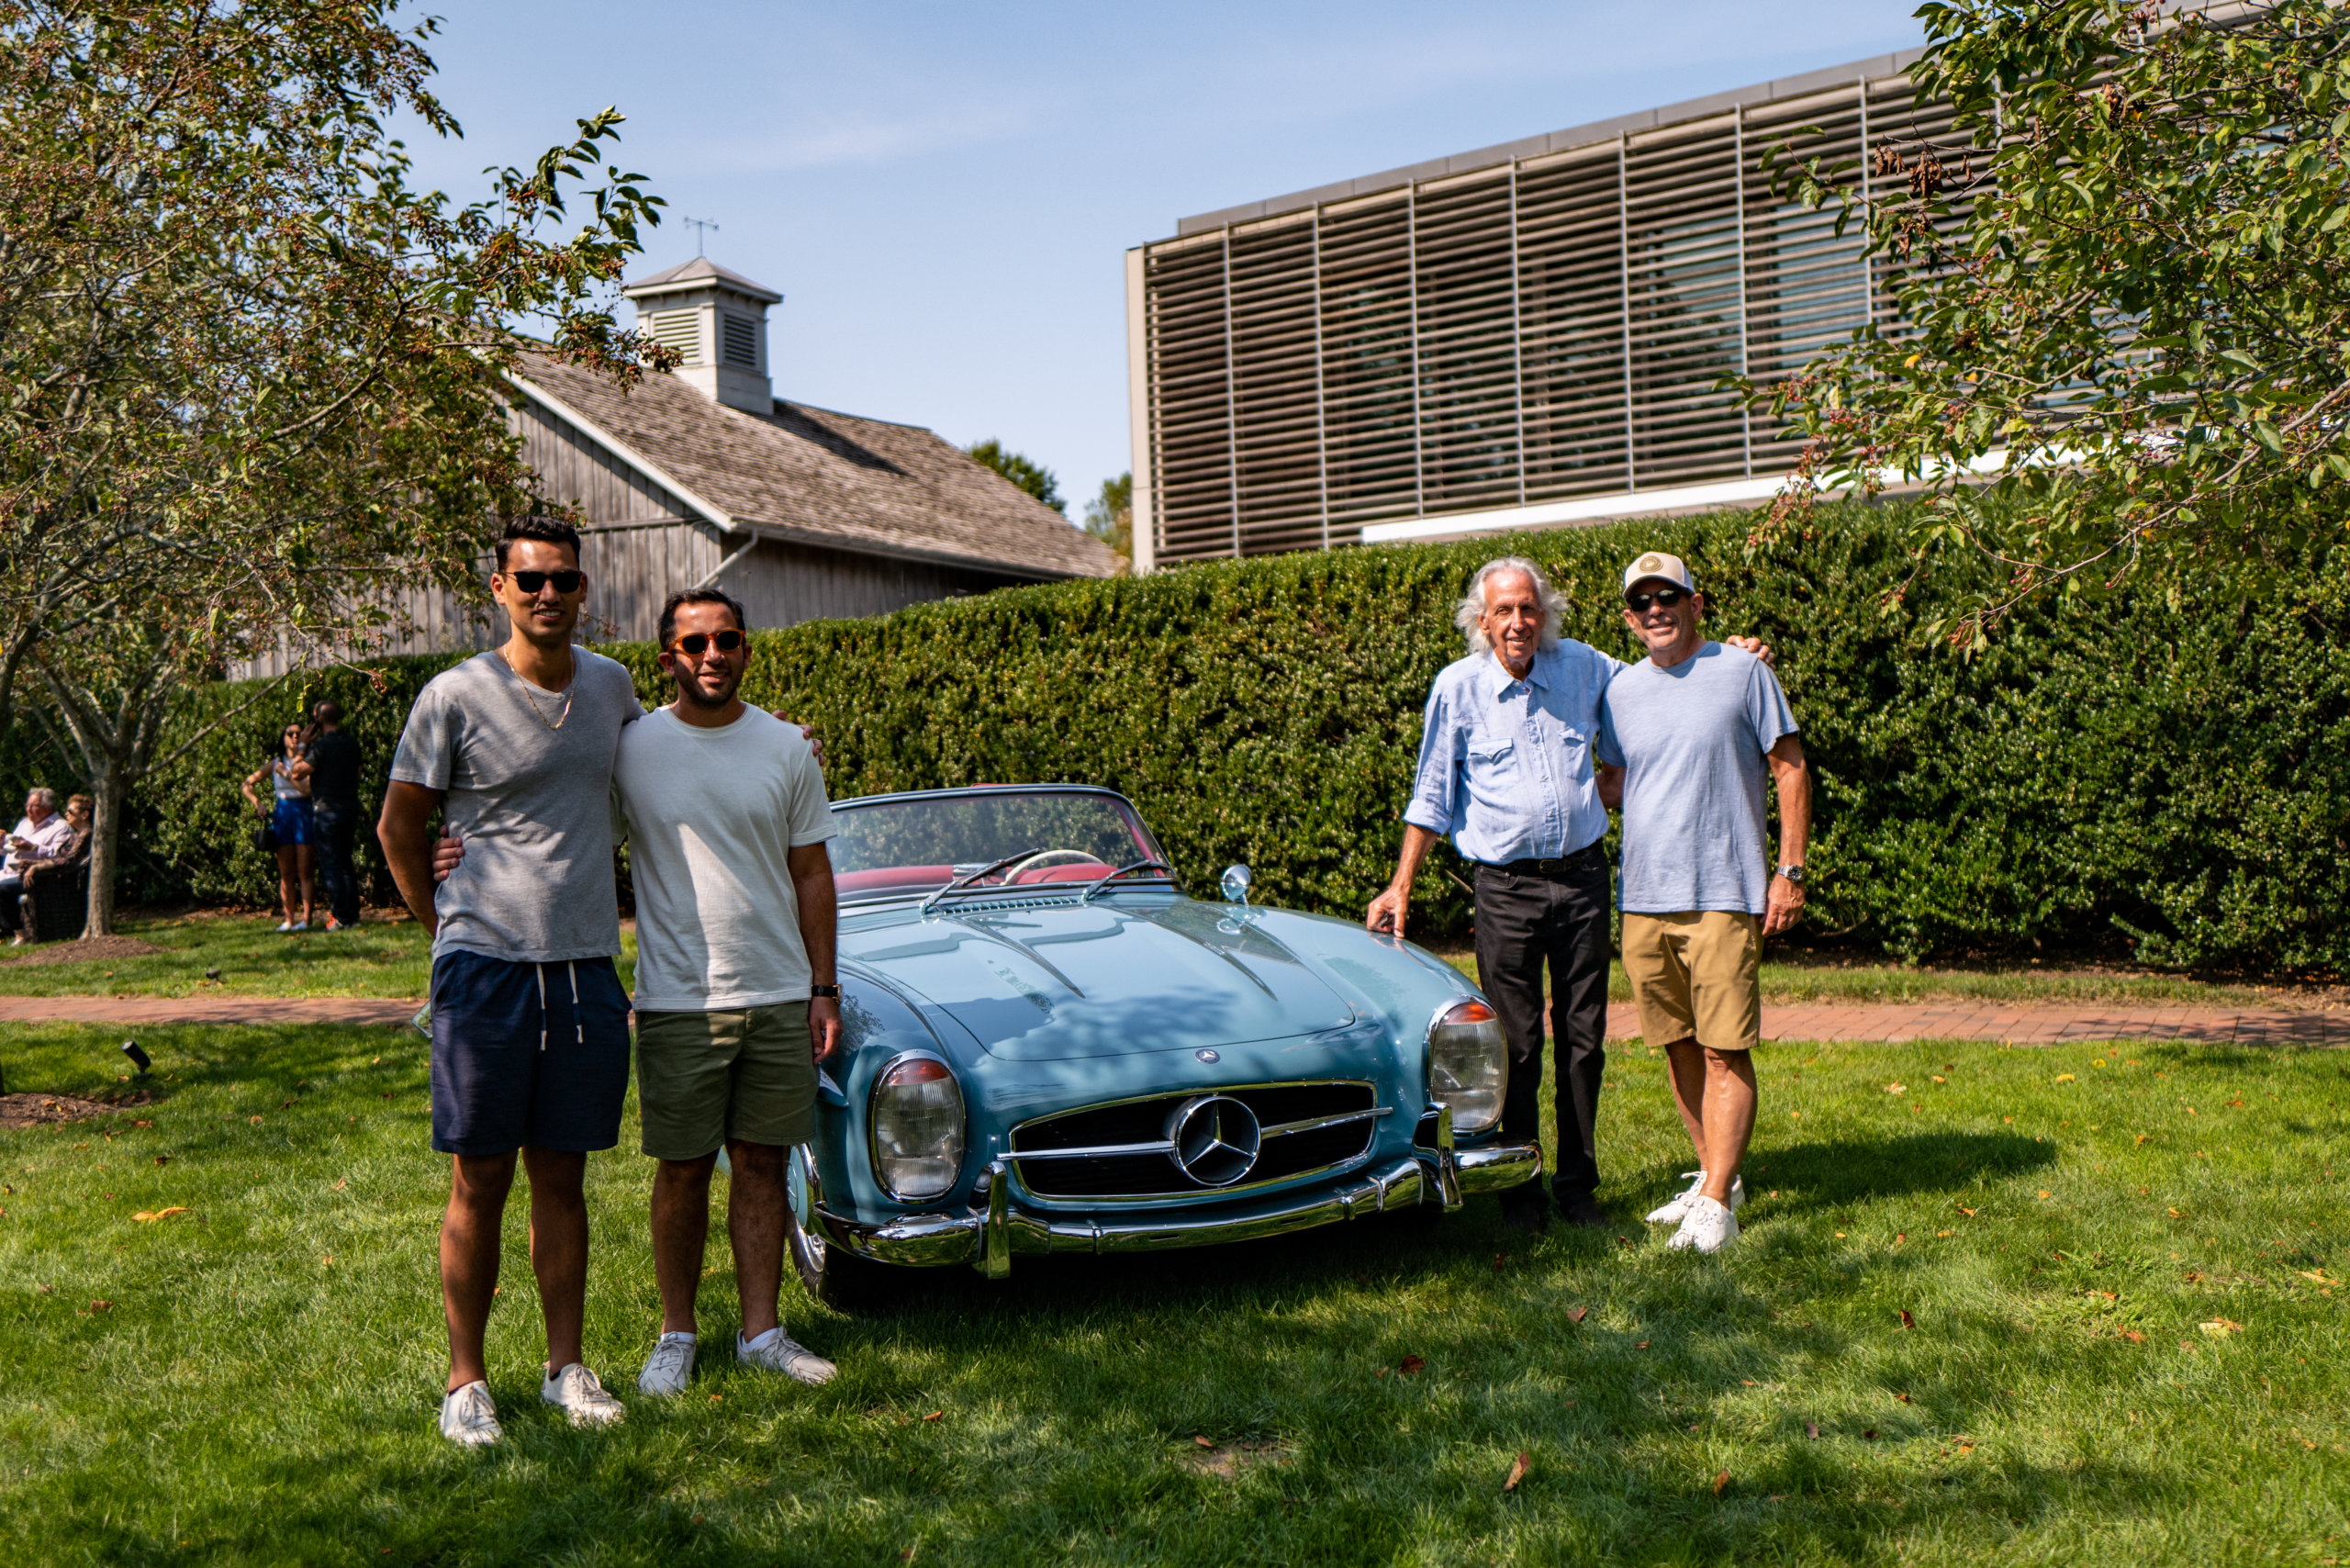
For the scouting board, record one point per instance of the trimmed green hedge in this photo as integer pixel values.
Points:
(2169, 773)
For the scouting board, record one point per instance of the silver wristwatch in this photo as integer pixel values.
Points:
(1793, 874)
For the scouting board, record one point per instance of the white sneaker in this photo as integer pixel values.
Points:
(777, 1352)
(671, 1366)
(1709, 1227)
(468, 1418)
(1677, 1210)
(575, 1393)
(284, 926)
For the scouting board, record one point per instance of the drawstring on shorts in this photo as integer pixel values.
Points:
(579, 1028)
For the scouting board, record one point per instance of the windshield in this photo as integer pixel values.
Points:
(923, 844)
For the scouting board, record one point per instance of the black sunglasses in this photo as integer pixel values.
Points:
(531, 582)
(693, 642)
(1663, 598)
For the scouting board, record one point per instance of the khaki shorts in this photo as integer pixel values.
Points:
(1696, 977)
(705, 1078)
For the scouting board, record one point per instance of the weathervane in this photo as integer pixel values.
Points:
(701, 226)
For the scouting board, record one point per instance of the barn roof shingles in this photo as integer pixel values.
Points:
(827, 478)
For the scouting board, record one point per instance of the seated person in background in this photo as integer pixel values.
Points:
(39, 833)
(71, 852)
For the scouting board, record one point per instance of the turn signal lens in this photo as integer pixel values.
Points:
(917, 1126)
(1469, 1065)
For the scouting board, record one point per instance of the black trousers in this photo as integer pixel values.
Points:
(1525, 923)
(11, 890)
(336, 823)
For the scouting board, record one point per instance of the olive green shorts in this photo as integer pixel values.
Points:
(703, 1079)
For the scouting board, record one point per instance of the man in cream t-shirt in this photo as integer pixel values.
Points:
(735, 996)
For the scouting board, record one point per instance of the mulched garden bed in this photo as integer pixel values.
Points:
(45, 1110)
(78, 951)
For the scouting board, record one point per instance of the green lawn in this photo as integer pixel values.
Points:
(1988, 1294)
(252, 959)
(1806, 977)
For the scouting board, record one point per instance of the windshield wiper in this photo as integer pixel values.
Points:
(961, 882)
(1087, 897)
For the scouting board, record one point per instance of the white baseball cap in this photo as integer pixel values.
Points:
(1664, 567)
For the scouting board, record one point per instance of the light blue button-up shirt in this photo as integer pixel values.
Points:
(1506, 765)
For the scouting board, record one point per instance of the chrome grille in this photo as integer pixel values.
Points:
(1120, 1172)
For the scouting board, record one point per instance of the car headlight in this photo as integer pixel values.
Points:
(1468, 1064)
(916, 1121)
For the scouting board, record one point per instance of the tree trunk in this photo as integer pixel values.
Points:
(108, 793)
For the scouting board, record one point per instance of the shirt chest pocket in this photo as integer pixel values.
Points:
(1493, 760)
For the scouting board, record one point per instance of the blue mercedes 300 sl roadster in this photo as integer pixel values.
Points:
(1050, 1048)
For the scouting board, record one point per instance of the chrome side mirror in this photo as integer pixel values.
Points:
(1235, 884)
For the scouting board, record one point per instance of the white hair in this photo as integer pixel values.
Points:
(45, 795)
(1471, 615)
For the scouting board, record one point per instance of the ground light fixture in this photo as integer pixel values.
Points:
(139, 1058)
(917, 1125)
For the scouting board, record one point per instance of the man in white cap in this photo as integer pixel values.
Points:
(1696, 726)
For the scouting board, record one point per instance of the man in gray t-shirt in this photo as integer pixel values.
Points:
(1695, 726)
(530, 1025)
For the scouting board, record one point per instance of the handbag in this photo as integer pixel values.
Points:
(265, 837)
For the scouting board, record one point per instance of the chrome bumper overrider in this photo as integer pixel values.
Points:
(989, 1242)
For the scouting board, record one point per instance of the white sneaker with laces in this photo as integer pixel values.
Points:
(468, 1418)
(284, 926)
(777, 1352)
(575, 1393)
(301, 925)
(671, 1366)
(1709, 1227)
(1677, 1210)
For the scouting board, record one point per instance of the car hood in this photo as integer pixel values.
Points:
(1061, 980)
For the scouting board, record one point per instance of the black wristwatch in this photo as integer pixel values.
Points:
(1793, 874)
(832, 990)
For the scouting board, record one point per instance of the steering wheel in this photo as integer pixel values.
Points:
(1045, 859)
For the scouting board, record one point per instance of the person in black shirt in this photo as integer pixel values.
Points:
(334, 796)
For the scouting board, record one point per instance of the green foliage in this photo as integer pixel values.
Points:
(1033, 477)
(2171, 771)
(2129, 269)
(1110, 516)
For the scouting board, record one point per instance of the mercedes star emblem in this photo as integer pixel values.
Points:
(1214, 1139)
(1208, 1057)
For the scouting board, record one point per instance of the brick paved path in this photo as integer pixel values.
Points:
(2030, 1025)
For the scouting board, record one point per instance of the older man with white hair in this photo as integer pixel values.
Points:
(1506, 767)
(36, 835)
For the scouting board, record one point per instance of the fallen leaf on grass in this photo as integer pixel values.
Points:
(1203, 1442)
(1869, 1432)
(936, 1416)
(1896, 1089)
(1903, 1398)
(1578, 1313)
(2064, 1077)
(339, 1181)
(2044, 1192)
(1411, 1364)
(1899, 1237)
(1811, 1428)
(1518, 1472)
(1968, 1213)
(96, 1306)
(1500, 1260)
(146, 1217)
(1943, 1233)
(2134, 1336)
(2221, 1328)
(1642, 1346)
(1939, 1079)
(2191, 1277)
(2177, 1213)
(2236, 1104)
(1722, 1484)
(256, 1121)
(2320, 1275)
(1907, 1322)
(163, 1159)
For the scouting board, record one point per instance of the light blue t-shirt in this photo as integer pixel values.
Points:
(1690, 741)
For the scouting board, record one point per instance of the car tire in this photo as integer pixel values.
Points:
(841, 1280)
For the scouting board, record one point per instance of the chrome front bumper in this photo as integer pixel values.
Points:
(989, 1242)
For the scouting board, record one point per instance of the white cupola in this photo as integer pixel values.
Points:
(717, 322)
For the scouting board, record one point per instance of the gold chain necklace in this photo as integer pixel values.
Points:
(535, 701)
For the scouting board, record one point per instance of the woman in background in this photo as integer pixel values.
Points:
(287, 816)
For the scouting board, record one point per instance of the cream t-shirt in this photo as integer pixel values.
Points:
(710, 816)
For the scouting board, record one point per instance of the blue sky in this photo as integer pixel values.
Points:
(943, 193)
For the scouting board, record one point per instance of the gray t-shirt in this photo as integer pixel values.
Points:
(532, 802)
(1691, 740)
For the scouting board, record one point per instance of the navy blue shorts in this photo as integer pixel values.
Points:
(291, 822)
(496, 1086)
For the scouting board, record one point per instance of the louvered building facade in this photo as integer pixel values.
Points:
(1530, 335)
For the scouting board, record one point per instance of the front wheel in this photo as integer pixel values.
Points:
(833, 1275)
